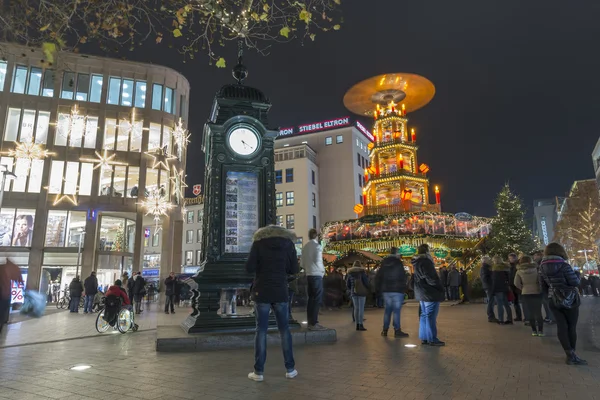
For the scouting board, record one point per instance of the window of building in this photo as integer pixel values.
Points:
(133, 181)
(16, 227)
(68, 86)
(200, 212)
(64, 228)
(140, 94)
(189, 257)
(199, 236)
(189, 236)
(20, 126)
(154, 136)
(124, 136)
(70, 178)
(168, 105)
(314, 178)
(96, 88)
(314, 199)
(279, 199)
(360, 199)
(289, 198)
(289, 175)
(83, 87)
(289, 221)
(157, 96)
(279, 220)
(114, 89)
(339, 139)
(29, 174)
(2, 74)
(76, 131)
(314, 222)
(198, 257)
(35, 81)
(358, 158)
(156, 239)
(127, 92)
(360, 177)
(328, 140)
(278, 176)
(190, 217)
(48, 84)
(19, 79)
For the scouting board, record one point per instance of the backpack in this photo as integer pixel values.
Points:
(359, 287)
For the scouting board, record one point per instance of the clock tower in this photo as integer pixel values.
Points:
(239, 199)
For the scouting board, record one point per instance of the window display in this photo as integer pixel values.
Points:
(241, 210)
(16, 227)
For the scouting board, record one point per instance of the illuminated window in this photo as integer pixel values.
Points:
(35, 176)
(85, 179)
(168, 105)
(328, 140)
(154, 136)
(133, 181)
(2, 74)
(127, 92)
(157, 95)
(114, 89)
(68, 85)
(189, 236)
(140, 94)
(289, 221)
(339, 139)
(20, 126)
(71, 177)
(79, 131)
(314, 200)
(64, 227)
(198, 256)
(189, 257)
(106, 174)
(151, 179)
(56, 177)
(278, 176)
(279, 220)
(279, 199)
(16, 227)
(119, 180)
(200, 212)
(289, 198)
(35, 81)
(199, 236)
(190, 217)
(19, 79)
(96, 88)
(22, 171)
(27, 124)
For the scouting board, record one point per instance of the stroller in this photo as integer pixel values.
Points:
(115, 315)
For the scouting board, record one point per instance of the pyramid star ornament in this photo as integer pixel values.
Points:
(103, 160)
(161, 158)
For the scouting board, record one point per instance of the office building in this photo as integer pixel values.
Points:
(544, 219)
(192, 235)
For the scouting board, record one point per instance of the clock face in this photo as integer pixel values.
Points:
(243, 141)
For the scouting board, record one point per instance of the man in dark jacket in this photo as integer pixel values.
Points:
(464, 285)
(139, 290)
(486, 282)
(514, 260)
(170, 284)
(444, 278)
(91, 288)
(75, 290)
(454, 282)
(272, 258)
(390, 282)
(430, 292)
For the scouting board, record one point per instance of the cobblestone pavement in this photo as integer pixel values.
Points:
(480, 361)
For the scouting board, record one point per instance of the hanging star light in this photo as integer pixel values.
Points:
(181, 137)
(69, 123)
(161, 157)
(178, 185)
(104, 161)
(156, 205)
(29, 151)
(72, 198)
(129, 126)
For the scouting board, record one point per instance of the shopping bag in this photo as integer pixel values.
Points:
(34, 304)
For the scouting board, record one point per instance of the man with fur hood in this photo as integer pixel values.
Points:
(272, 258)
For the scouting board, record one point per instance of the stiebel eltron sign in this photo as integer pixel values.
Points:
(316, 126)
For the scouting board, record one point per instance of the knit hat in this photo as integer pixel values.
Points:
(118, 282)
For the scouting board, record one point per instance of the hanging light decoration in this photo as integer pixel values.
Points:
(178, 185)
(181, 137)
(103, 160)
(29, 150)
(73, 122)
(157, 205)
(161, 157)
(129, 125)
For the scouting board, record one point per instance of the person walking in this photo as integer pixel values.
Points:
(390, 282)
(312, 263)
(500, 288)
(464, 285)
(444, 278)
(75, 291)
(513, 261)
(538, 255)
(429, 292)
(528, 281)
(91, 288)
(8, 272)
(453, 282)
(272, 259)
(170, 283)
(358, 285)
(139, 290)
(485, 275)
(562, 285)
(129, 285)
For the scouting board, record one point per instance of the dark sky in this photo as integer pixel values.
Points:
(517, 88)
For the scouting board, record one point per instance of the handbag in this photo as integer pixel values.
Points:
(359, 287)
(565, 298)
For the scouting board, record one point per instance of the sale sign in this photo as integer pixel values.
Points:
(16, 292)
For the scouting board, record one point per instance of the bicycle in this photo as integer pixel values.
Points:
(65, 302)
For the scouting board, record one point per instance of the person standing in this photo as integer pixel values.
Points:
(390, 281)
(170, 283)
(453, 282)
(513, 261)
(91, 288)
(358, 285)
(272, 259)
(537, 258)
(75, 291)
(486, 282)
(312, 263)
(500, 288)
(464, 285)
(8, 272)
(429, 292)
(444, 278)
(528, 281)
(562, 283)
(139, 290)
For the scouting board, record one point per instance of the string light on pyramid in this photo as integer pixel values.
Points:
(178, 185)
(103, 160)
(181, 137)
(161, 157)
(156, 205)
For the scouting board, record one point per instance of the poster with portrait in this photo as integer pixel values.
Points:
(241, 210)
(23, 229)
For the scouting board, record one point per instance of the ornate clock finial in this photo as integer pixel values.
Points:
(240, 72)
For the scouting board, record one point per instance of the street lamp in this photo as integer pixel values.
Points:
(81, 234)
(585, 254)
(6, 174)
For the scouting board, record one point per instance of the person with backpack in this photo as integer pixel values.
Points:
(358, 285)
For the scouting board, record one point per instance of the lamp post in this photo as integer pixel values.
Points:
(585, 254)
(6, 174)
(81, 234)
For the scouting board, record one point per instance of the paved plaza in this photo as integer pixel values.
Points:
(481, 361)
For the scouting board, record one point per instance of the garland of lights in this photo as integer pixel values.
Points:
(156, 205)
(104, 161)
(181, 137)
(178, 185)
(29, 151)
(161, 158)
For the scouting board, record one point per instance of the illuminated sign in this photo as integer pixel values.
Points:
(316, 127)
(365, 131)
(544, 230)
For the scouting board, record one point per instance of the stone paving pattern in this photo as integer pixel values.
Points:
(480, 361)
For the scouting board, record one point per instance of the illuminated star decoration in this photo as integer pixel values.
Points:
(29, 151)
(178, 185)
(104, 161)
(129, 126)
(156, 205)
(74, 122)
(161, 158)
(181, 138)
(72, 198)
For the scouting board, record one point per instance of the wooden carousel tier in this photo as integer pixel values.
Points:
(382, 244)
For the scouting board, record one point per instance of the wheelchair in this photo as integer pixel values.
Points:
(115, 315)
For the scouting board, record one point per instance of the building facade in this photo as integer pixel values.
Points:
(596, 161)
(544, 219)
(192, 234)
(95, 146)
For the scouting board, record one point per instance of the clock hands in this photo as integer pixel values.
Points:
(247, 145)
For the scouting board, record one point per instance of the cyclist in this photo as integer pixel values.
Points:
(117, 290)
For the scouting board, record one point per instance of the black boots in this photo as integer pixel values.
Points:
(399, 334)
(360, 327)
(384, 332)
(573, 359)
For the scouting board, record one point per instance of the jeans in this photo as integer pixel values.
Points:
(491, 301)
(517, 305)
(290, 303)
(546, 304)
(393, 303)
(566, 326)
(138, 303)
(261, 311)
(502, 302)
(454, 293)
(428, 321)
(89, 303)
(315, 298)
(358, 303)
(533, 304)
(74, 306)
(170, 298)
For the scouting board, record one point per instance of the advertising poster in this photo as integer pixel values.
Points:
(241, 211)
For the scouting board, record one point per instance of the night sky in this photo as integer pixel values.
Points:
(517, 86)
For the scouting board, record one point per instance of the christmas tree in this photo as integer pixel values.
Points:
(510, 233)
(119, 241)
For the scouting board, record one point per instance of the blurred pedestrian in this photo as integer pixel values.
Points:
(170, 284)
(500, 288)
(75, 291)
(454, 282)
(513, 260)
(90, 286)
(485, 275)
(9, 272)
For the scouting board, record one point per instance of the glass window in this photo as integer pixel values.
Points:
(314, 200)
(199, 216)
(165, 184)
(314, 178)
(190, 217)
(22, 171)
(314, 222)
(2, 74)
(155, 239)
(56, 228)
(8, 163)
(157, 96)
(136, 136)
(68, 83)
(127, 92)
(279, 199)
(110, 130)
(168, 107)
(112, 234)
(151, 180)
(358, 158)
(41, 130)
(96, 89)
(76, 225)
(12, 125)
(279, 220)
(123, 135)
(133, 181)
(119, 180)
(339, 139)
(71, 178)
(289, 198)
(289, 221)
(106, 180)
(289, 175)
(140, 94)
(189, 257)
(278, 176)
(198, 257)
(166, 138)
(19, 80)
(189, 236)
(21, 233)
(27, 124)
(85, 179)
(360, 180)
(114, 89)
(154, 137)
(35, 81)
(35, 176)
(56, 177)
(77, 126)
(91, 130)
(199, 236)
(328, 140)
(7, 221)
(83, 87)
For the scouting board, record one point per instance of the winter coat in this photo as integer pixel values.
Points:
(453, 277)
(272, 258)
(115, 290)
(90, 285)
(513, 273)
(170, 284)
(557, 273)
(391, 276)
(464, 279)
(428, 286)
(8, 272)
(527, 279)
(354, 274)
(486, 276)
(139, 285)
(312, 259)
(75, 288)
(500, 278)
(444, 275)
